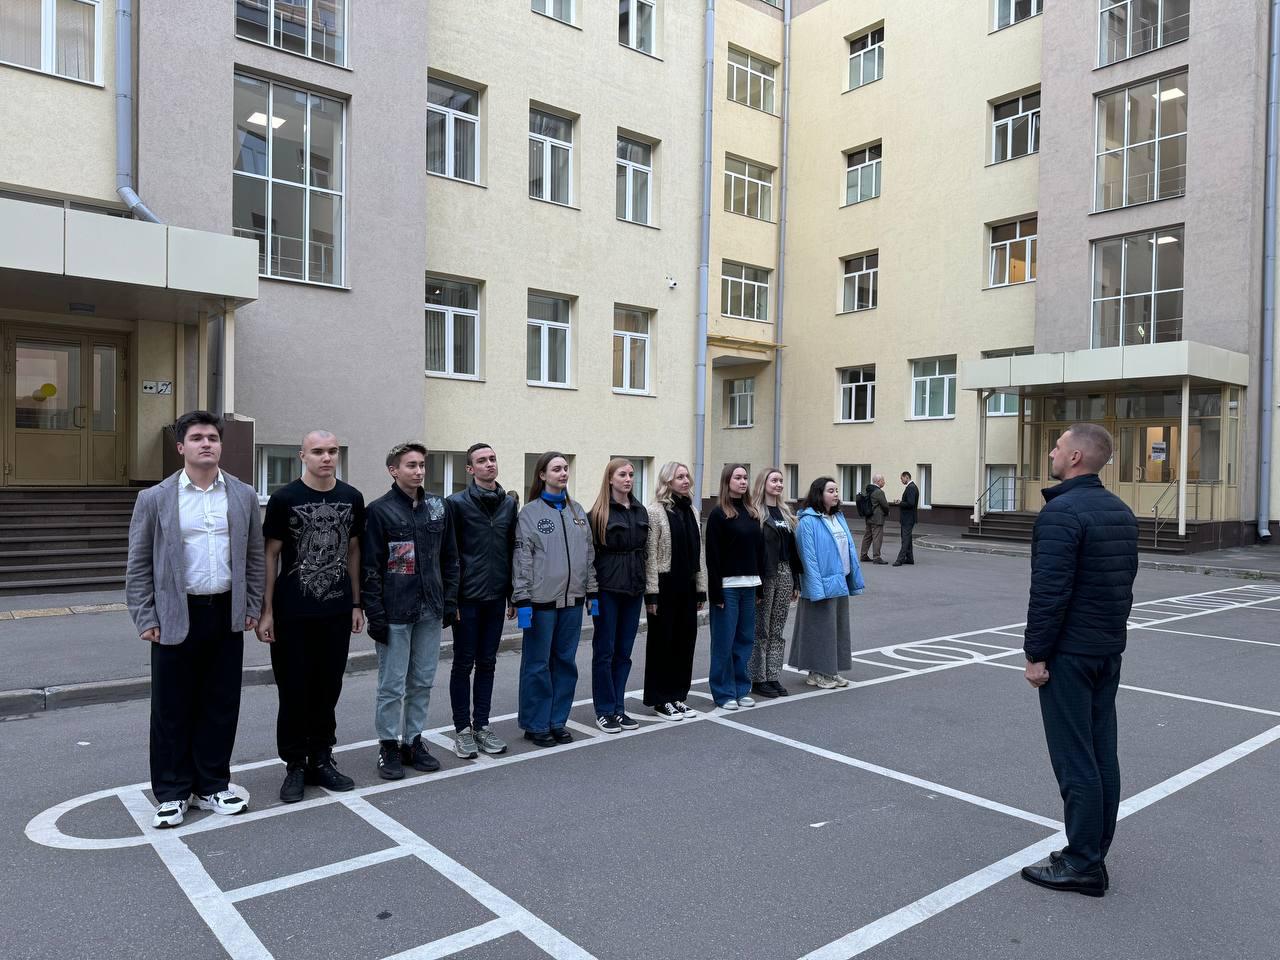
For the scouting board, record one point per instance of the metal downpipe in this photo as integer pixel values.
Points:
(1267, 402)
(704, 256)
(782, 234)
(124, 113)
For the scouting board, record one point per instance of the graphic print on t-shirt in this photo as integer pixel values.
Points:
(321, 531)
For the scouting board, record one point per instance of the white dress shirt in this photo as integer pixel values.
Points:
(206, 536)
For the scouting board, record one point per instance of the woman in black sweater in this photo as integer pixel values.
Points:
(735, 566)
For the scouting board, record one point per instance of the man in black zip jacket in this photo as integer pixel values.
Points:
(484, 523)
(1084, 558)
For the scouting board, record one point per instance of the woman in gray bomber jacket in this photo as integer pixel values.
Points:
(553, 572)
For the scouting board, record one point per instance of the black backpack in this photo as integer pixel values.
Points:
(866, 507)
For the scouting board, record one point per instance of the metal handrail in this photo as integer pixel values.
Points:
(1170, 487)
(986, 495)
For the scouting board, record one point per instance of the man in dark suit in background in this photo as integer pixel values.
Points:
(907, 518)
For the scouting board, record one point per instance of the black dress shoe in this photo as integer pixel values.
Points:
(1060, 875)
(540, 739)
(779, 689)
(561, 735)
(1106, 880)
(764, 689)
(291, 789)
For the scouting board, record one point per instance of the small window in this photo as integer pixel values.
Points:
(933, 388)
(741, 396)
(924, 481)
(1128, 28)
(550, 157)
(630, 350)
(312, 28)
(446, 473)
(453, 131)
(556, 9)
(634, 180)
(744, 291)
(1015, 127)
(866, 58)
(751, 80)
(548, 341)
(59, 37)
(1013, 253)
(854, 478)
(636, 24)
(1009, 12)
(453, 328)
(792, 471)
(862, 174)
(861, 282)
(1142, 143)
(1137, 288)
(748, 189)
(857, 399)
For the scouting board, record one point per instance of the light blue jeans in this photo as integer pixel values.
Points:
(406, 671)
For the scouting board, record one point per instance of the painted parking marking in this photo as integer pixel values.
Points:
(1210, 636)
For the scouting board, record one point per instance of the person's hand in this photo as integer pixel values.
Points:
(524, 617)
(357, 620)
(511, 612)
(1037, 673)
(266, 629)
(379, 630)
(449, 619)
(795, 595)
(251, 623)
(151, 635)
(652, 608)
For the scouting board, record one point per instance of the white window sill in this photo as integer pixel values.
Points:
(858, 203)
(544, 384)
(1140, 203)
(747, 216)
(547, 16)
(739, 426)
(293, 53)
(946, 416)
(441, 375)
(555, 203)
(1008, 26)
(1003, 286)
(731, 316)
(767, 113)
(840, 422)
(863, 86)
(1021, 156)
(846, 313)
(53, 76)
(637, 223)
(445, 176)
(643, 53)
(305, 283)
(631, 393)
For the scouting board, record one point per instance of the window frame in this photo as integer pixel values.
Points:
(924, 483)
(872, 272)
(768, 81)
(270, 180)
(448, 479)
(270, 5)
(544, 343)
(791, 471)
(736, 399)
(628, 338)
(847, 393)
(1004, 249)
(731, 177)
(727, 283)
(632, 26)
(875, 46)
(49, 45)
(261, 452)
(634, 168)
(999, 402)
(452, 117)
(452, 316)
(1036, 8)
(947, 384)
(868, 163)
(549, 144)
(853, 478)
(1152, 293)
(1126, 147)
(1033, 121)
(548, 6)
(1108, 6)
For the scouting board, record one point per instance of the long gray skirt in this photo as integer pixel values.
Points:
(821, 640)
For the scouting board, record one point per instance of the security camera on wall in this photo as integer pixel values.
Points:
(672, 282)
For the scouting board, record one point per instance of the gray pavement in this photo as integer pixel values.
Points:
(887, 820)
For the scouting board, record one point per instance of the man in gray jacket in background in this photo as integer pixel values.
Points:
(873, 537)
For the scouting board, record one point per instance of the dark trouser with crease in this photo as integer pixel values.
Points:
(477, 633)
(309, 660)
(1078, 706)
(905, 552)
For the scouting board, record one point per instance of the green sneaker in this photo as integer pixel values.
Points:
(464, 744)
(488, 741)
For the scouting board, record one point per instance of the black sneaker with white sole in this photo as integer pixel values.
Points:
(627, 723)
(609, 724)
(667, 711)
(389, 765)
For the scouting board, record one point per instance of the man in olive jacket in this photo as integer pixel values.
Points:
(1084, 558)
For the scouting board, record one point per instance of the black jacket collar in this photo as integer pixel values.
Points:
(1085, 480)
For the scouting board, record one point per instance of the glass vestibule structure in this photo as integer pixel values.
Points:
(1147, 427)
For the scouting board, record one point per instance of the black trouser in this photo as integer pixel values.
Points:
(309, 659)
(1078, 706)
(477, 631)
(672, 633)
(905, 552)
(195, 703)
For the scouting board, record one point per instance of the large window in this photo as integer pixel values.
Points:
(453, 130)
(866, 58)
(635, 174)
(1127, 28)
(630, 350)
(748, 189)
(313, 28)
(556, 9)
(933, 388)
(1009, 12)
(741, 399)
(751, 80)
(744, 291)
(635, 24)
(453, 328)
(1015, 127)
(548, 341)
(857, 394)
(446, 473)
(1137, 289)
(854, 478)
(550, 157)
(1142, 143)
(61, 37)
(861, 281)
(862, 174)
(288, 180)
(1013, 252)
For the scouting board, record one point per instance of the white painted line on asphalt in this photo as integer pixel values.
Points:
(266, 887)
(898, 775)
(584, 729)
(457, 942)
(877, 663)
(542, 934)
(215, 909)
(913, 914)
(1210, 636)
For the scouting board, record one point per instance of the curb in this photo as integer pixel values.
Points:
(30, 701)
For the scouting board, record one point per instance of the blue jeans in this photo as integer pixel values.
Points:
(476, 635)
(406, 671)
(733, 634)
(548, 671)
(611, 644)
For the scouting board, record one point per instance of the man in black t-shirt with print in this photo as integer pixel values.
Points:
(311, 608)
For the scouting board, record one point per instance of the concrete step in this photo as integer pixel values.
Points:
(104, 568)
(36, 586)
(96, 521)
(47, 557)
(11, 540)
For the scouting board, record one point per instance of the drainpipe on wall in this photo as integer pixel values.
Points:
(704, 255)
(782, 234)
(124, 113)
(1269, 279)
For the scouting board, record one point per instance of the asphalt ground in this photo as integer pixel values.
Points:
(886, 820)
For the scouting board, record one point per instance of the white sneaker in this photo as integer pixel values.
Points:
(169, 814)
(821, 680)
(840, 681)
(224, 802)
(729, 705)
(746, 702)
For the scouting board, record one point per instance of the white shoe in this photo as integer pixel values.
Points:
(840, 681)
(746, 702)
(821, 680)
(224, 802)
(169, 814)
(729, 705)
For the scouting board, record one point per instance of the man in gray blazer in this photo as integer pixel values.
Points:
(194, 584)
